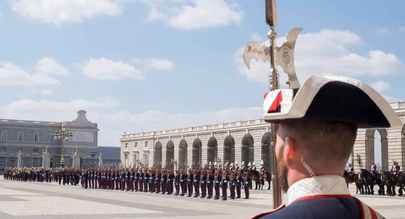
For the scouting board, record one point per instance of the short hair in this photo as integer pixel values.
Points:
(322, 142)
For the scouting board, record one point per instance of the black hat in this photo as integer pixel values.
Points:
(334, 99)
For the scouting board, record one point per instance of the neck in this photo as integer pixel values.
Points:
(296, 175)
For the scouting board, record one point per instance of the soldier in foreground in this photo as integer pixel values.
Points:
(315, 137)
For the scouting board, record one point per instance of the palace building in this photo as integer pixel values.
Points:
(247, 142)
(36, 144)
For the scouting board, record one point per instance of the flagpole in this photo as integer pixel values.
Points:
(271, 20)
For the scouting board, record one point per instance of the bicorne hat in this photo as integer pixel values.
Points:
(334, 99)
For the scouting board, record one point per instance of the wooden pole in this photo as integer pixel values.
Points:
(271, 20)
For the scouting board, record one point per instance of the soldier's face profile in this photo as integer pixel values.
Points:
(281, 164)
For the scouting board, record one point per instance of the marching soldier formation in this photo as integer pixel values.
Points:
(209, 183)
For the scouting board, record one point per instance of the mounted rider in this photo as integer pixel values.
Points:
(350, 168)
(373, 169)
(395, 168)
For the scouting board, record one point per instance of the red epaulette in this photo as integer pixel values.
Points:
(268, 213)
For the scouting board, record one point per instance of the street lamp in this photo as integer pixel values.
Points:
(62, 134)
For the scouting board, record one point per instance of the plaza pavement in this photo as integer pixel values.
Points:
(30, 200)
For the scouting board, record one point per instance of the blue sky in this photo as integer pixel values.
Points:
(138, 65)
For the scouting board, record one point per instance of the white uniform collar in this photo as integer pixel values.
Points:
(327, 185)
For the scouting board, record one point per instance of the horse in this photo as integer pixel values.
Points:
(351, 177)
(392, 180)
(401, 182)
(368, 180)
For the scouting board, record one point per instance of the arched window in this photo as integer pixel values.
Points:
(170, 154)
(247, 149)
(267, 150)
(229, 150)
(212, 150)
(197, 153)
(377, 148)
(183, 154)
(157, 154)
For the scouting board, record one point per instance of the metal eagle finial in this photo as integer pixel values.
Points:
(284, 55)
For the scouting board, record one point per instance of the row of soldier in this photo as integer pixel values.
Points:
(204, 183)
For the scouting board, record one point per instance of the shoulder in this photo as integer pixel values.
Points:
(265, 214)
(332, 208)
(368, 212)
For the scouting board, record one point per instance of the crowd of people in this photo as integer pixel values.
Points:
(210, 183)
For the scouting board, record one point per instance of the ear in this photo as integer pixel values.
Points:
(290, 152)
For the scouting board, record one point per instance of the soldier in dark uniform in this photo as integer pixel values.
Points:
(136, 180)
(177, 182)
(217, 183)
(170, 180)
(98, 178)
(93, 179)
(117, 179)
(190, 178)
(129, 182)
(183, 182)
(196, 183)
(103, 177)
(108, 179)
(239, 181)
(204, 179)
(146, 180)
(232, 184)
(163, 181)
(152, 181)
(316, 132)
(141, 179)
(224, 185)
(210, 183)
(245, 183)
(84, 179)
(114, 178)
(124, 179)
(157, 181)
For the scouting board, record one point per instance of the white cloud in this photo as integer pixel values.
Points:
(381, 86)
(113, 121)
(46, 92)
(153, 64)
(194, 14)
(106, 69)
(43, 73)
(330, 52)
(65, 11)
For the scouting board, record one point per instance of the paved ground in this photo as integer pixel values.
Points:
(39, 200)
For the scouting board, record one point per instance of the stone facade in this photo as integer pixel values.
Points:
(31, 138)
(248, 141)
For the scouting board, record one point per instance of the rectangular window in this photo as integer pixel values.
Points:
(3, 137)
(36, 138)
(20, 136)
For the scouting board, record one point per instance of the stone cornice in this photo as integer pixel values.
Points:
(399, 107)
